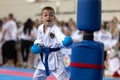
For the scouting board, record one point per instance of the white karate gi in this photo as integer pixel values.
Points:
(55, 59)
(105, 37)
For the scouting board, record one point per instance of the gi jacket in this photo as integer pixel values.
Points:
(52, 38)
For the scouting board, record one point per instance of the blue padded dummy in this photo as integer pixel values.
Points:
(89, 15)
(87, 60)
(36, 49)
(67, 41)
(87, 55)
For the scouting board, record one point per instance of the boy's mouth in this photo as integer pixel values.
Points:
(48, 20)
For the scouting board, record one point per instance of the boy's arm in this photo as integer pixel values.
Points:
(64, 40)
(38, 39)
(59, 35)
(36, 48)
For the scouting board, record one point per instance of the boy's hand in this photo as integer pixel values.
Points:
(67, 41)
(36, 49)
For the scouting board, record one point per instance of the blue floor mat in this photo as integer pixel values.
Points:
(13, 77)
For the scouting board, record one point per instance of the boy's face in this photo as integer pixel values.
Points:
(47, 17)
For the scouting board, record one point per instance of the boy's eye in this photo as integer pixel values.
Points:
(45, 15)
(51, 15)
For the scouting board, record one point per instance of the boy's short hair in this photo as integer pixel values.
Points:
(48, 8)
(11, 15)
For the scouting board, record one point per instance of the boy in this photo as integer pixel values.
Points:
(49, 40)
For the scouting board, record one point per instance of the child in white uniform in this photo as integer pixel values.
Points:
(49, 35)
(113, 64)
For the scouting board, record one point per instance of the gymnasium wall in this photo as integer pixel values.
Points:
(66, 9)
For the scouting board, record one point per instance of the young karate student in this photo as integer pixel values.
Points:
(48, 43)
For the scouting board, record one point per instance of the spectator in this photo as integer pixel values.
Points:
(10, 36)
(27, 37)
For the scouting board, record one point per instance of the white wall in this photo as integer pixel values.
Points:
(110, 5)
(22, 10)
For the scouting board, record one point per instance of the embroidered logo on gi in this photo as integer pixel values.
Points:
(52, 35)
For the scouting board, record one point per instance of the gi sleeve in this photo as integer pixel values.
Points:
(38, 40)
(59, 35)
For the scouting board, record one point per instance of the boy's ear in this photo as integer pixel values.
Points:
(41, 19)
(54, 17)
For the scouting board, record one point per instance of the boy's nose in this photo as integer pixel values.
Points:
(47, 15)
